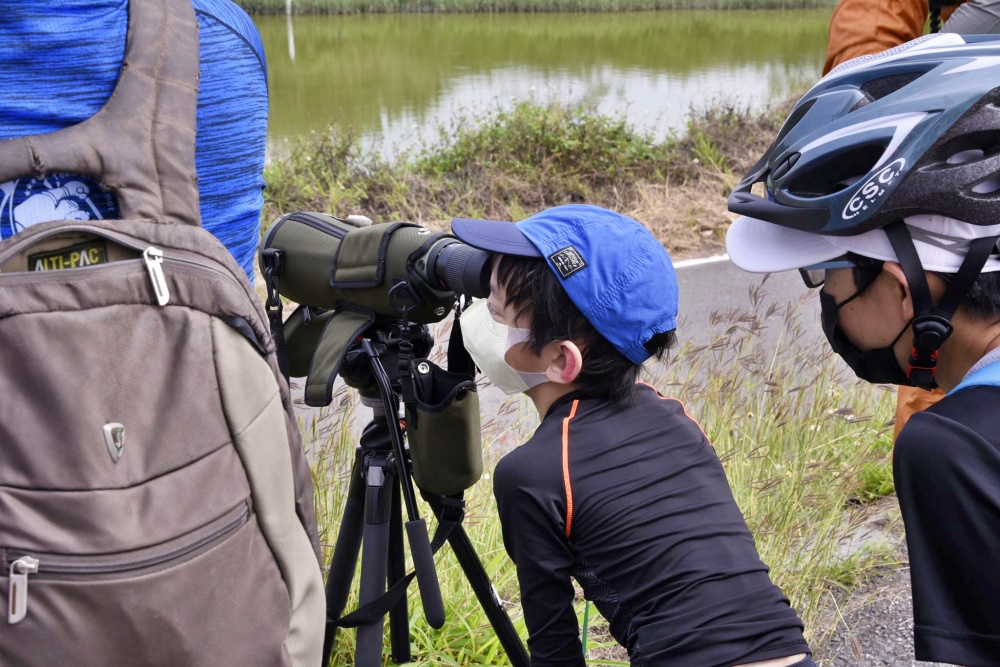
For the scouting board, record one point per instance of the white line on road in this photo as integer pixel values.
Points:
(683, 264)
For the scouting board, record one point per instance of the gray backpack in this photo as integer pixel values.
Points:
(155, 502)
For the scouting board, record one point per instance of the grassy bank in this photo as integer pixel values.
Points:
(402, 6)
(513, 162)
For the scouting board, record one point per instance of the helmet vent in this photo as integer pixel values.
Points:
(836, 172)
(988, 187)
(876, 89)
(962, 150)
(863, 102)
(793, 120)
(966, 156)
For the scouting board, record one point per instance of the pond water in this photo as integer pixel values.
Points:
(395, 79)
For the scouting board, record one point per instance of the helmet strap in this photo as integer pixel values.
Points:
(932, 324)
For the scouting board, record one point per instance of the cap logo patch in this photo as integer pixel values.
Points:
(567, 261)
(873, 189)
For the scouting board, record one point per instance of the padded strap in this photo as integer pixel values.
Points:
(140, 145)
(342, 328)
(459, 359)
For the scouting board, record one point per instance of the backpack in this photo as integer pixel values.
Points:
(155, 501)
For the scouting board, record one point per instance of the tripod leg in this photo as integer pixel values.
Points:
(399, 622)
(488, 598)
(374, 557)
(485, 592)
(345, 553)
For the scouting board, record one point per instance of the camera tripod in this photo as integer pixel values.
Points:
(380, 479)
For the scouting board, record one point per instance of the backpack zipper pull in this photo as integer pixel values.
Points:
(19, 571)
(154, 264)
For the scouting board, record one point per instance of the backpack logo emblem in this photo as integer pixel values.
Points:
(114, 438)
(567, 261)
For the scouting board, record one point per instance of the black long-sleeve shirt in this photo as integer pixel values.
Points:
(946, 465)
(632, 501)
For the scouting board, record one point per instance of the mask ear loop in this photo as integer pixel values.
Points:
(932, 325)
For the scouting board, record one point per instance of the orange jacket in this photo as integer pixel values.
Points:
(863, 27)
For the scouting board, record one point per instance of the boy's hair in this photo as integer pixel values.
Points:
(981, 301)
(534, 292)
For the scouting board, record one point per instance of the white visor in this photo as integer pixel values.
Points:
(942, 243)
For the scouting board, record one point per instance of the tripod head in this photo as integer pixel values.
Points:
(395, 343)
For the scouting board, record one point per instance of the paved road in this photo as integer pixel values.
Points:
(714, 284)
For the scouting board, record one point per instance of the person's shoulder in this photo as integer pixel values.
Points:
(967, 416)
(650, 401)
(973, 406)
(647, 414)
(643, 397)
(535, 463)
(233, 17)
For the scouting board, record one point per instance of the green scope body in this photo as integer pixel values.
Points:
(394, 269)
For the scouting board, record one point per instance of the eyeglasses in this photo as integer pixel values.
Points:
(814, 276)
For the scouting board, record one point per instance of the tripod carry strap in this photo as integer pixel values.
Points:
(452, 513)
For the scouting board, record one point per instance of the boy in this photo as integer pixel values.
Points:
(618, 488)
(883, 189)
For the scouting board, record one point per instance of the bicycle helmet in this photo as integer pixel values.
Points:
(894, 156)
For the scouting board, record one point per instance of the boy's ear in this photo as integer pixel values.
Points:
(564, 361)
(896, 271)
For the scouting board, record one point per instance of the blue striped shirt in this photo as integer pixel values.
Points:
(59, 64)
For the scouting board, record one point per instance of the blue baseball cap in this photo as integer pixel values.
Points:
(613, 269)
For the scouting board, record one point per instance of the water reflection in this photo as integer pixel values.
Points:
(395, 78)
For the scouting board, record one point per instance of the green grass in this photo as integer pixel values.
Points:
(797, 436)
(516, 157)
(387, 6)
(513, 161)
(876, 474)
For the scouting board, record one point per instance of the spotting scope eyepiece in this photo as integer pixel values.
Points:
(457, 267)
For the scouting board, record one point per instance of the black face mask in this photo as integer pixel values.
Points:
(878, 366)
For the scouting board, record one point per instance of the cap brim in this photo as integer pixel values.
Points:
(764, 247)
(494, 236)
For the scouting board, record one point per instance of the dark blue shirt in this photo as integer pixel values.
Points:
(633, 503)
(946, 465)
(59, 64)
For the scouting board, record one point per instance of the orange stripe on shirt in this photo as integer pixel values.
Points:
(565, 465)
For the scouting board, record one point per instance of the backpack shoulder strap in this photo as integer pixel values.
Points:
(140, 145)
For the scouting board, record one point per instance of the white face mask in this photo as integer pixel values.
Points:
(488, 341)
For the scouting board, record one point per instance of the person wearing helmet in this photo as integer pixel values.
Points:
(863, 27)
(883, 189)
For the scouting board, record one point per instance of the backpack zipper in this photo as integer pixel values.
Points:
(117, 237)
(19, 571)
(152, 256)
(23, 565)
